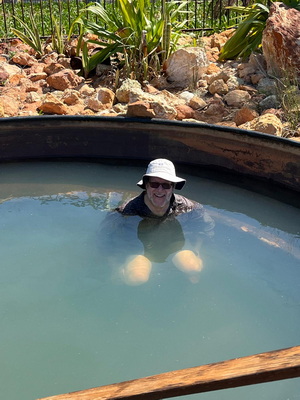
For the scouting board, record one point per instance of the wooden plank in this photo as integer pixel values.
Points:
(259, 368)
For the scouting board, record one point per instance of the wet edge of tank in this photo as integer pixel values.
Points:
(257, 161)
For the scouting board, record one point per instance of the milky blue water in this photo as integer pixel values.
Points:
(69, 322)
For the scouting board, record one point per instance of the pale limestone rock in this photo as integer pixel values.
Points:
(234, 83)
(186, 96)
(237, 98)
(267, 123)
(163, 111)
(33, 97)
(120, 108)
(186, 66)
(170, 98)
(127, 87)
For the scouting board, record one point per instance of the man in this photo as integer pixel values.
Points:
(168, 224)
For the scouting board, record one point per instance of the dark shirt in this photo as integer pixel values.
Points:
(191, 214)
(160, 235)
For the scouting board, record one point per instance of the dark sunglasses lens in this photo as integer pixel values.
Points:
(156, 185)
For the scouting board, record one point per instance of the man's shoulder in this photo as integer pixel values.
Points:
(133, 206)
(184, 204)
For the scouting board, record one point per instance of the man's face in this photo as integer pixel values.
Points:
(158, 198)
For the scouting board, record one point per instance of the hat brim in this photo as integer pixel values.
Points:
(179, 182)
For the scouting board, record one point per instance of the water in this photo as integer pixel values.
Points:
(68, 322)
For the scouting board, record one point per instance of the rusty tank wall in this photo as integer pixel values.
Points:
(245, 154)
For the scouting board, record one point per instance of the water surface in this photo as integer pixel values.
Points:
(68, 321)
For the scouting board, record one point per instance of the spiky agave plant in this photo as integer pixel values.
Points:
(138, 29)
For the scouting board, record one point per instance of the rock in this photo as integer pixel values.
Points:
(218, 86)
(186, 66)
(237, 98)
(24, 59)
(86, 91)
(140, 109)
(184, 112)
(64, 80)
(267, 86)
(235, 105)
(94, 104)
(212, 69)
(71, 97)
(187, 96)
(37, 76)
(280, 40)
(7, 70)
(244, 115)
(127, 87)
(269, 102)
(255, 78)
(163, 111)
(106, 96)
(9, 105)
(52, 105)
(234, 83)
(267, 123)
(33, 97)
(197, 103)
(53, 68)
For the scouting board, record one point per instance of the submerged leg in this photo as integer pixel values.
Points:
(137, 270)
(187, 261)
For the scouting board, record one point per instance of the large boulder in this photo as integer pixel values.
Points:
(280, 40)
(186, 66)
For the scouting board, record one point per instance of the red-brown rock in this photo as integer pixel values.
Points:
(64, 80)
(184, 112)
(280, 41)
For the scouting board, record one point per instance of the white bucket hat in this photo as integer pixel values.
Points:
(164, 169)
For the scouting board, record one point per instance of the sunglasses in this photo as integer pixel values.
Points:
(164, 185)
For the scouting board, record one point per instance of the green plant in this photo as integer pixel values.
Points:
(57, 36)
(288, 93)
(248, 35)
(32, 38)
(142, 33)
